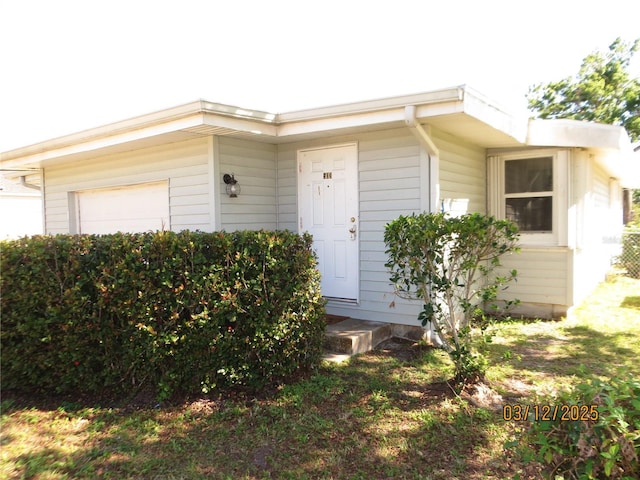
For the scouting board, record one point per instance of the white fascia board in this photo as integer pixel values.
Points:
(236, 112)
(340, 122)
(239, 124)
(478, 106)
(39, 153)
(175, 119)
(424, 112)
(454, 94)
(609, 144)
(192, 117)
(576, 133)
(105, 130)
(367, 118)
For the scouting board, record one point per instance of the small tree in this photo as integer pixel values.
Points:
(448, 263)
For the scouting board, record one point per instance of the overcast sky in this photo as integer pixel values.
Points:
(66, 65)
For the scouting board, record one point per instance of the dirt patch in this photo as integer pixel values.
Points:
(515, 389)
(203, 407)
(400, 348)
(260, 457)
(482, 395)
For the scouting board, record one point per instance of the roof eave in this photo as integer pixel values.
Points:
(365, 114)
(180, 118)
(447, 95)
(610, 144)
(440, 108)
(576, 133)
(514, 127)
(492, 125)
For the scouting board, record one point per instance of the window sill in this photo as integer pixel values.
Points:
(529, 247)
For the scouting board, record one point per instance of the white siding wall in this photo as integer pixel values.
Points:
(184, 164)
(389, 168)
(544, 274)
(544, 277)
(553, 279)
(600, 211)
(391, 183)
(254, 166)
(542, 282)
(390, 171)
(287, 186)
(463, 173)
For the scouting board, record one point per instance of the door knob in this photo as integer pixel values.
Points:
(352, 232)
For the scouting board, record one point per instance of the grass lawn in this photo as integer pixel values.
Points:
(385, 414)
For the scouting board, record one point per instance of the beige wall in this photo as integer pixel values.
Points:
(393, 181)
(185, 164)
(552, 279)
(194, 170)
(543, 282)
(463, 173)
(598, 226)
(254, 166)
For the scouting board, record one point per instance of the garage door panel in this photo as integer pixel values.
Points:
(135, 208)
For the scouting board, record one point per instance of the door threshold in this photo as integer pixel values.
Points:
(347, 301)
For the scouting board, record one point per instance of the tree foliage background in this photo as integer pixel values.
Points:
(602, 91)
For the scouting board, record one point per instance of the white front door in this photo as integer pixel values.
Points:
(328, 208)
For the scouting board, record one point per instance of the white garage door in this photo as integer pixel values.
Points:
(134, 208)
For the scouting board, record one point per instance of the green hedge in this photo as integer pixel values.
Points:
(600, 434)
(182, 311)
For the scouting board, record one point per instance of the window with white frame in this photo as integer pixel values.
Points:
(529, 188)
(528, 193)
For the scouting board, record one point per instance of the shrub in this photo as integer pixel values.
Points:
(447, 262)
(178, 311)
(606, 447)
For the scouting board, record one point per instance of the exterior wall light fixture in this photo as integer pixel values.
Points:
(233, 187)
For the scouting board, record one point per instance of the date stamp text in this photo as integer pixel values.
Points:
(541, 412)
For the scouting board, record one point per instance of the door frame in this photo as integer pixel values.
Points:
(354, 145)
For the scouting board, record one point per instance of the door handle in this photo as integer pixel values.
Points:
(352, 231)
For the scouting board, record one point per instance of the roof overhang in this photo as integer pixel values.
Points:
(179, 123)
(459, 111)
(610, 143)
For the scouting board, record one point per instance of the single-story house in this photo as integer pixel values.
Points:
(342, 173)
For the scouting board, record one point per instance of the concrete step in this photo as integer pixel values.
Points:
(352, 336)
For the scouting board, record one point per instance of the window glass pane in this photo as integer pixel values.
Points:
(528, 175)
(533, 214)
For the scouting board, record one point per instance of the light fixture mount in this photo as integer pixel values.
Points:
(233, 187)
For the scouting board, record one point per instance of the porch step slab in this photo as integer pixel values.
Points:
(336, 357)
(353, 336)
